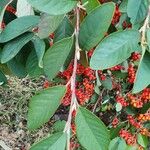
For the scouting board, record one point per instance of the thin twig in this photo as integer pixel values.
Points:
(74, 103)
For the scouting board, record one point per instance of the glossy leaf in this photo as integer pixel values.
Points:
(138, 13)
(56, 141)
(95, 25)
(55, 57)
(43, 105)
(32, 65)
(116, 48)
(54, 7)
(92, 4)
(91, 132)
(142, 79)
(39, 46)
(48, 24)
(117, 144)
(17, 68)
(142, 140)
(18, 27)
(12, 48)
(64, 30)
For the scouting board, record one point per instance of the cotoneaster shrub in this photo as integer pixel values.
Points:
(96, 59)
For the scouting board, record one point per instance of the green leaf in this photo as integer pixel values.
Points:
(32, 65)
(91, 31)
(54, 7)
(59, 125)
(43, 105)
(39, 46)
(56, 141)
(92, 4)
(115, 131)
(3, 5)
(116, 48)
(142, 79)
(91, 132)
(48, 24)
(3, 78)
(55, 56)
(12, 48)
(117, 144)
(138, 13)
(17, 68)
(18, 27)
(107, 83)
(123, 6)
(64, 30)
(142, 140)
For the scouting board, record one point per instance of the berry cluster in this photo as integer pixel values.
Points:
(144, 117)
(145, 96)
(115, 122)
(145, 132)
(116, 16)
(127, 136)
(84, 86)
(131, 73)
(133, 122)
(11, 9)
(122, 101)
(117, 68)
(135, 100)
(135, 56)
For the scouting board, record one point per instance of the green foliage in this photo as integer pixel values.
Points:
(138, 13)
(12, 48)
(54, 7)
(39, 107)
(117, 144)
(142, 140)
(91, 132)
(143, 72)
(18, 27)
(116, 48)
(92, 32)
(56, 56)
(54, 142)
(48, 24)
(39, 46)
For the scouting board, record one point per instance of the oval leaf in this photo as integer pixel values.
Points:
(56, 141)
(12, 48)
(55, 57)
(92, 32)
(43, 105)
(91, 132)
(18, 27)
(115, 49)
(142, 140)
(142, 73)
(32, 65)
(138, 13)
(54, 7)
(39, 46)
(117, 144)
(48, 24)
